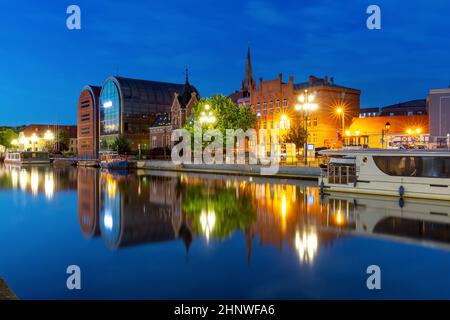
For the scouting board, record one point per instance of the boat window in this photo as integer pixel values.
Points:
(413, 166)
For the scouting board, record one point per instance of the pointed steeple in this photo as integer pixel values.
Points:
(186, 94)
(248, 76)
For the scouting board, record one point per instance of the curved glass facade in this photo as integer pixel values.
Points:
(109, 109)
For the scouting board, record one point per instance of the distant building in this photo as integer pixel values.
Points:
(242, 97)
(275, 99)
(438, 103)
(129, 106)
(369, 112)
(88, 122)
(387, 131)
(408, 108)
(39, 137)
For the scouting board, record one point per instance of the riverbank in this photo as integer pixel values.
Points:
(288, 171)
(5, 292)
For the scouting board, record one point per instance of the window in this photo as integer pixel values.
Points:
(258, 109)
(284, 105)
(315, 122)
(278, 106)
(271, 107)
(154, 143)
(109, 109)
(413, 166)
(264, 108)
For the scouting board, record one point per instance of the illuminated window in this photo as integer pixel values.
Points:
(109, 109)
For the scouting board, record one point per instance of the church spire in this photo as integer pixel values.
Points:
(248, 76)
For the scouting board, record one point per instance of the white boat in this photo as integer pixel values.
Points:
(27, 157)
(402, 173)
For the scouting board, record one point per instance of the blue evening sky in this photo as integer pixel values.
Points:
(43, 65)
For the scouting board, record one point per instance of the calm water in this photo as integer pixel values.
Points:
(167, 235)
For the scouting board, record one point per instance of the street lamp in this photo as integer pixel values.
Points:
(340, 111)
(384, 132)
(306, 105)
(207, 115)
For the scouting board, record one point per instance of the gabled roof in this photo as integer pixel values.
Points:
(186, 94)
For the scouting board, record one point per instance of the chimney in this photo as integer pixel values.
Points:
(326, 79)
(280, 77)
(312, 79)
(291, 83)
(332, 80)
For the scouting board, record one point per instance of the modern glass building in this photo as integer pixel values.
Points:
(129, 106)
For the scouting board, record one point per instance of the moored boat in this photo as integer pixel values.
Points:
(114, 162)
(27, 157)
(402, 173)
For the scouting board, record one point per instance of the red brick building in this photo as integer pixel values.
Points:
(88, 122)
(180, 113)
(274, 100)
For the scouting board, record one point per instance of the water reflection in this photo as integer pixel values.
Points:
(37, 180)
(145, 208)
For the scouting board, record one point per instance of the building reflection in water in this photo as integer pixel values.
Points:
(38, 180)
(136, 209)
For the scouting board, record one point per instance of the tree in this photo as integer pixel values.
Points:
(121, 145)
(296, 135)
(7, 135)
(63, 140)
(227, 115)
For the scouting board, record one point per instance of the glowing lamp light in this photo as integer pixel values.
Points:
(418, 131)
(107, 104)
(339, 110)
(347, 133)
(48, 135)
(298, 107)
(34, 138)
(409, 131)
(357, 132)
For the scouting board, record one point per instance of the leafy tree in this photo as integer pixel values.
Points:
(121, 145)
(63, 139)
(296, 135)
(227, 115)
(7, 135)
(103, 144)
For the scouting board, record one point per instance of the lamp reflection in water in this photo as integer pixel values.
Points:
(14, 178)
(306, 244)
(207, 222)
(49, 185)
(23, 179)
(34, 181)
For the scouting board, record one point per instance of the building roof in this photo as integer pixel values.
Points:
(320, 82)
(161, 121)
(40, 129)
(411, 104)
(399, 124)
(145, 91)
(186, 94)
(369, 109)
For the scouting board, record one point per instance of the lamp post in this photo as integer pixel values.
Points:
(340, 111)
(306, 105)
(384, 133)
